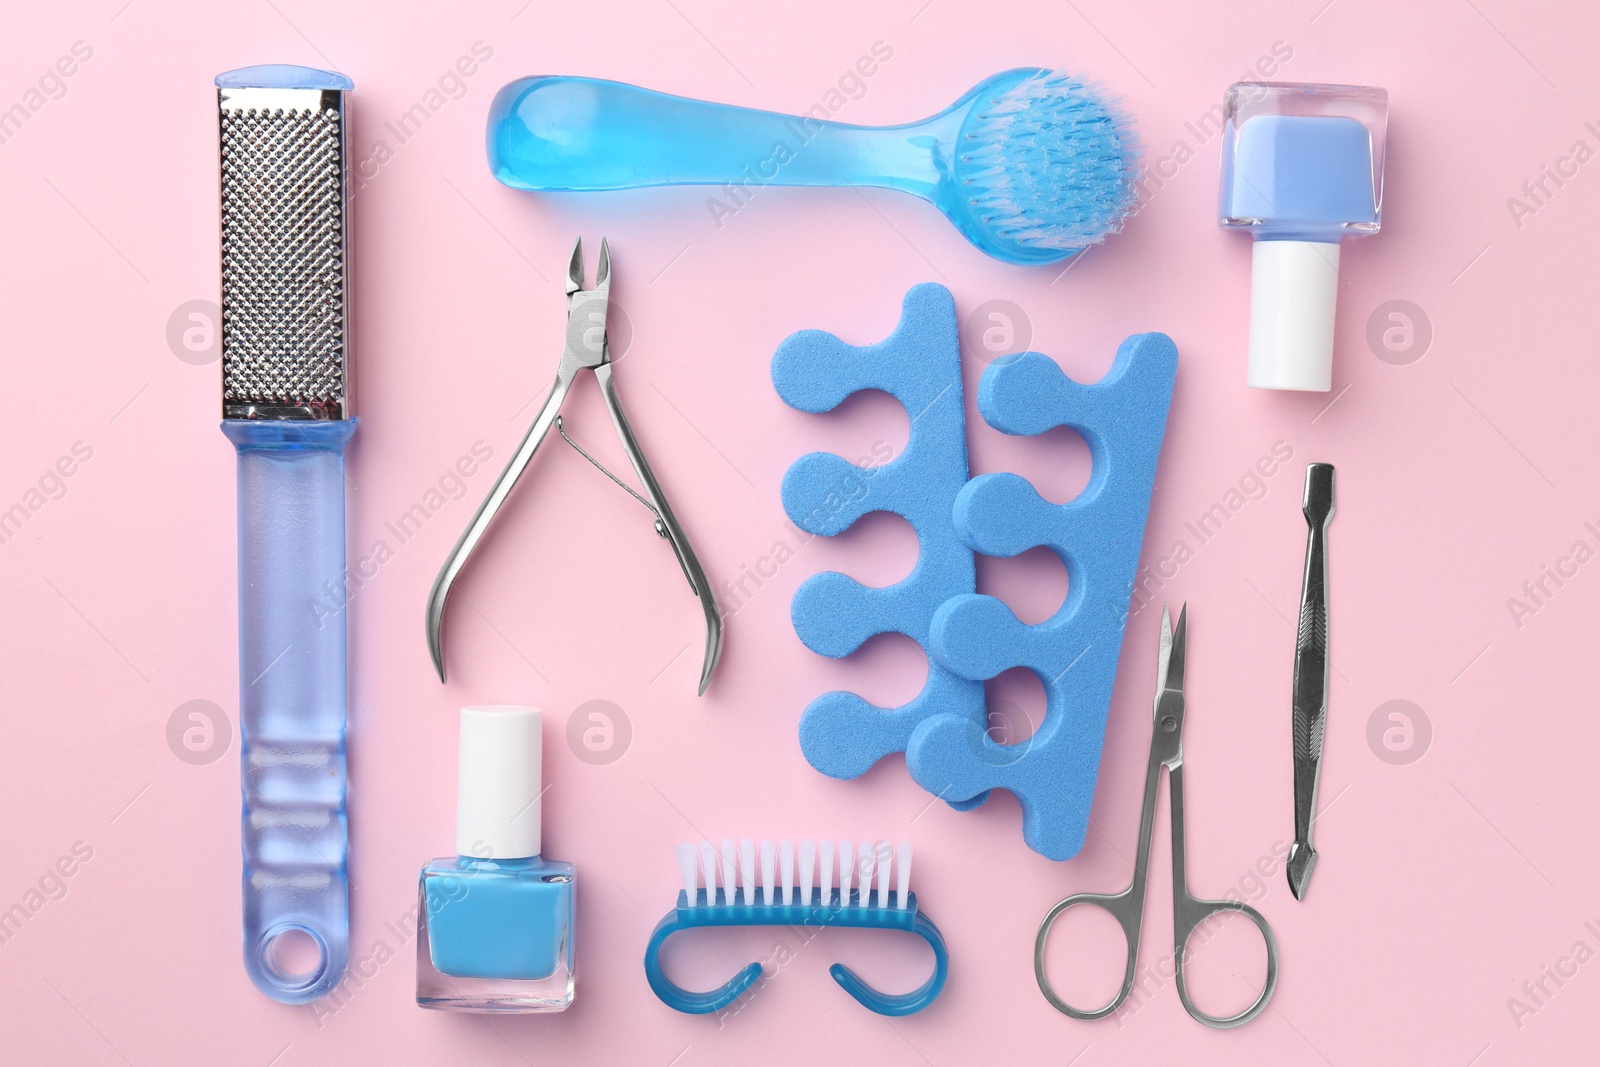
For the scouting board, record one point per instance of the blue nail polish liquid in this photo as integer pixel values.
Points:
(496, 935)
(1302, 168)
(495, 923)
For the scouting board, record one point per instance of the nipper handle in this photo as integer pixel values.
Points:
(440, 593)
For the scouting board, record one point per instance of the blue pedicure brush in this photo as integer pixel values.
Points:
(1031, 165)
(796, 890)
(285, 407)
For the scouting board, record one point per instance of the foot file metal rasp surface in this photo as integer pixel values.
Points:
(285, 407)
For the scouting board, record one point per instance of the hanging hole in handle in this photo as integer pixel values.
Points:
(1086, 956)
(294, 955)
(1225, 964)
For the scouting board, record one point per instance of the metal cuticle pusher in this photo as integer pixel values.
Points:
(1310, 699)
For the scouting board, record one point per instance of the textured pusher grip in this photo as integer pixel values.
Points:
(292, 696)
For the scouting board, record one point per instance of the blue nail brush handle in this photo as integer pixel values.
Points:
(292, 696)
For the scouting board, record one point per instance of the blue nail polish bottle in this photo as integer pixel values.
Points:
(1302, 168)
(495, 921)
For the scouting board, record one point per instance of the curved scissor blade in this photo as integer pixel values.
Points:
(1166, 740)
(1173, 648)
(602, 273)
(1164, 653)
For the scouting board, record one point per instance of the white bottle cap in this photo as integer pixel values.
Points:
(497, 791)
(1294, 286)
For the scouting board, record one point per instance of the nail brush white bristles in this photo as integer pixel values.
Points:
(769, 864)
(728, 860)
(708, 864)
(688, 862)
(805, 873)
(808, 863)
(747, 871)
(786, 870)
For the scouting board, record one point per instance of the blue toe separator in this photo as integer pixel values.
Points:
(824, 909)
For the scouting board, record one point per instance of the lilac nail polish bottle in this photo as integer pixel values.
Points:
(1302, 168)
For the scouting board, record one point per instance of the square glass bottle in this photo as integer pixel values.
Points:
(1302, 169)
(495, 921)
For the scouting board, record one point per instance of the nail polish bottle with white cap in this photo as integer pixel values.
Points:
(495, 921)
(1302, 169)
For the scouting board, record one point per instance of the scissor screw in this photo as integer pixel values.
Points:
(1169, 723)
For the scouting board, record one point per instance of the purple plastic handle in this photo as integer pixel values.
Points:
(292, 697)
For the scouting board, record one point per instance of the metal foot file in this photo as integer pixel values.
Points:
(286, 408)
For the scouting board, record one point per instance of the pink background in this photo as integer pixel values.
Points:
(1445, 883)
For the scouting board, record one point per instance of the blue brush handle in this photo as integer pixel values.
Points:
(587, 134)
(292, 696)
(827, 908)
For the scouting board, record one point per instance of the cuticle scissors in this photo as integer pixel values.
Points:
(1188, 911)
